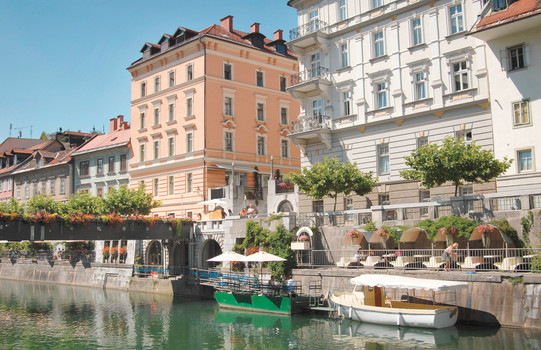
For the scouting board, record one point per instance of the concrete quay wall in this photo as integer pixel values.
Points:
(109, 276)
(491, 299)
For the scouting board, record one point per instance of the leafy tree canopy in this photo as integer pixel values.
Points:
(83, 203)
(44, 203)
(453, 161)
(331, 177)
(125, 201)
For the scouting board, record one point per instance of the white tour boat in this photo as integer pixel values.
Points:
(370, 302)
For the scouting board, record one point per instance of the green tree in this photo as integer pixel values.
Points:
(453, 161)
(11, 206)
(44, 203)
(125, 201)
(83, 203)
(331, 177)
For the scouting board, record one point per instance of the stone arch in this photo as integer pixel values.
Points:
(285, 206)
(153, 254)
(306, 230)
(210, 248)
(179, 254)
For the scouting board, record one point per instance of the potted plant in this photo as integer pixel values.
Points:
(114, 254)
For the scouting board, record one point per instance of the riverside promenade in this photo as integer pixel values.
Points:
(493, 298)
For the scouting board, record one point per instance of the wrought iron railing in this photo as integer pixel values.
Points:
(308, 123)
(253, 192)
(305, 29)
(479, 259)
(285, 187)
(309, 74)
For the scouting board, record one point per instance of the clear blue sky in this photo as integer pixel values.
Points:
(63, 62)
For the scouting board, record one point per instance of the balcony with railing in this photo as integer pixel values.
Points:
(308, 129)
(315, 80)
(307, 34)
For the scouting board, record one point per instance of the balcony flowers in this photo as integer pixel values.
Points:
(112, 219)
(77, 219)
(354, 233)
(485, 231)
(286, 186)
(41, 217)
(303, 238)
(114, 253)
(449, 230)
(382, 232)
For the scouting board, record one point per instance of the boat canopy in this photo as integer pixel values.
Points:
(392, 281)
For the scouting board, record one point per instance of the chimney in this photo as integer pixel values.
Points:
(112, 124)
(255, 27)
(278, 34)
(227, 22)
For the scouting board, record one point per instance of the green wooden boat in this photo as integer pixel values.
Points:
(274, 304)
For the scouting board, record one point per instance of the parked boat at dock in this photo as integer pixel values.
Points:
(369, 302)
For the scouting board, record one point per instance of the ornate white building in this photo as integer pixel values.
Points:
(512, 31)
(380, 78)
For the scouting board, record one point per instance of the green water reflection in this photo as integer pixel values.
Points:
(46, 316)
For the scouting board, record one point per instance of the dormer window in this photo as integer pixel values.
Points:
(498, 5)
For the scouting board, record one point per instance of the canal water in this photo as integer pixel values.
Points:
(48, 316)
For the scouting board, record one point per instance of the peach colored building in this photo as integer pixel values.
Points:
(205, 103)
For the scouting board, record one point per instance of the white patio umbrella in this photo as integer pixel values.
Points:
(261, 257)
(229, 257)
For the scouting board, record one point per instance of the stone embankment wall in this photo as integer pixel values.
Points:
(110, 276)
(510, 300)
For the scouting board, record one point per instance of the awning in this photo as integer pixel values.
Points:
(392, 281)
(411, 235)
(237, 167)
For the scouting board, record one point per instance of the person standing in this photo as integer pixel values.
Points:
(449, 254)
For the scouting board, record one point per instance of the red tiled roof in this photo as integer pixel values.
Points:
(221, 32)
(117, 137)
(12, 142)
(517, 10)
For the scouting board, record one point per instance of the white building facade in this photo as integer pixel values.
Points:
(380, 78)
(513, 37)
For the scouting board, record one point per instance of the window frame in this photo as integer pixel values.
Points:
(123, 162)
(171, 146)
(465, 84)
(62, 185)
(283, 84)
(377, 3)
(346, 103)
(155, 187)
(189, 182)
(171, 111)
(417, 37)
(259, 73)
(383, 159)
(99, 166)
(229, 111)
(521, 109)
(381, 94)
(155, 149)
(189, 142)
(189, 107)
(156, 116)
(111, 164)
(520, 168)
(378, 43)
(226, 64)
(143, 89)
(418, 83)
(229, 142)
(84, 168)
(344, 55)
(172, 78)
(260, 112)
(142, 151)
(189, 72)
(284, 117)
(261, 145)
(171, 185)
(342, 10)
(458, 16)
(284, 148)
(157, 84)
(523, 55)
